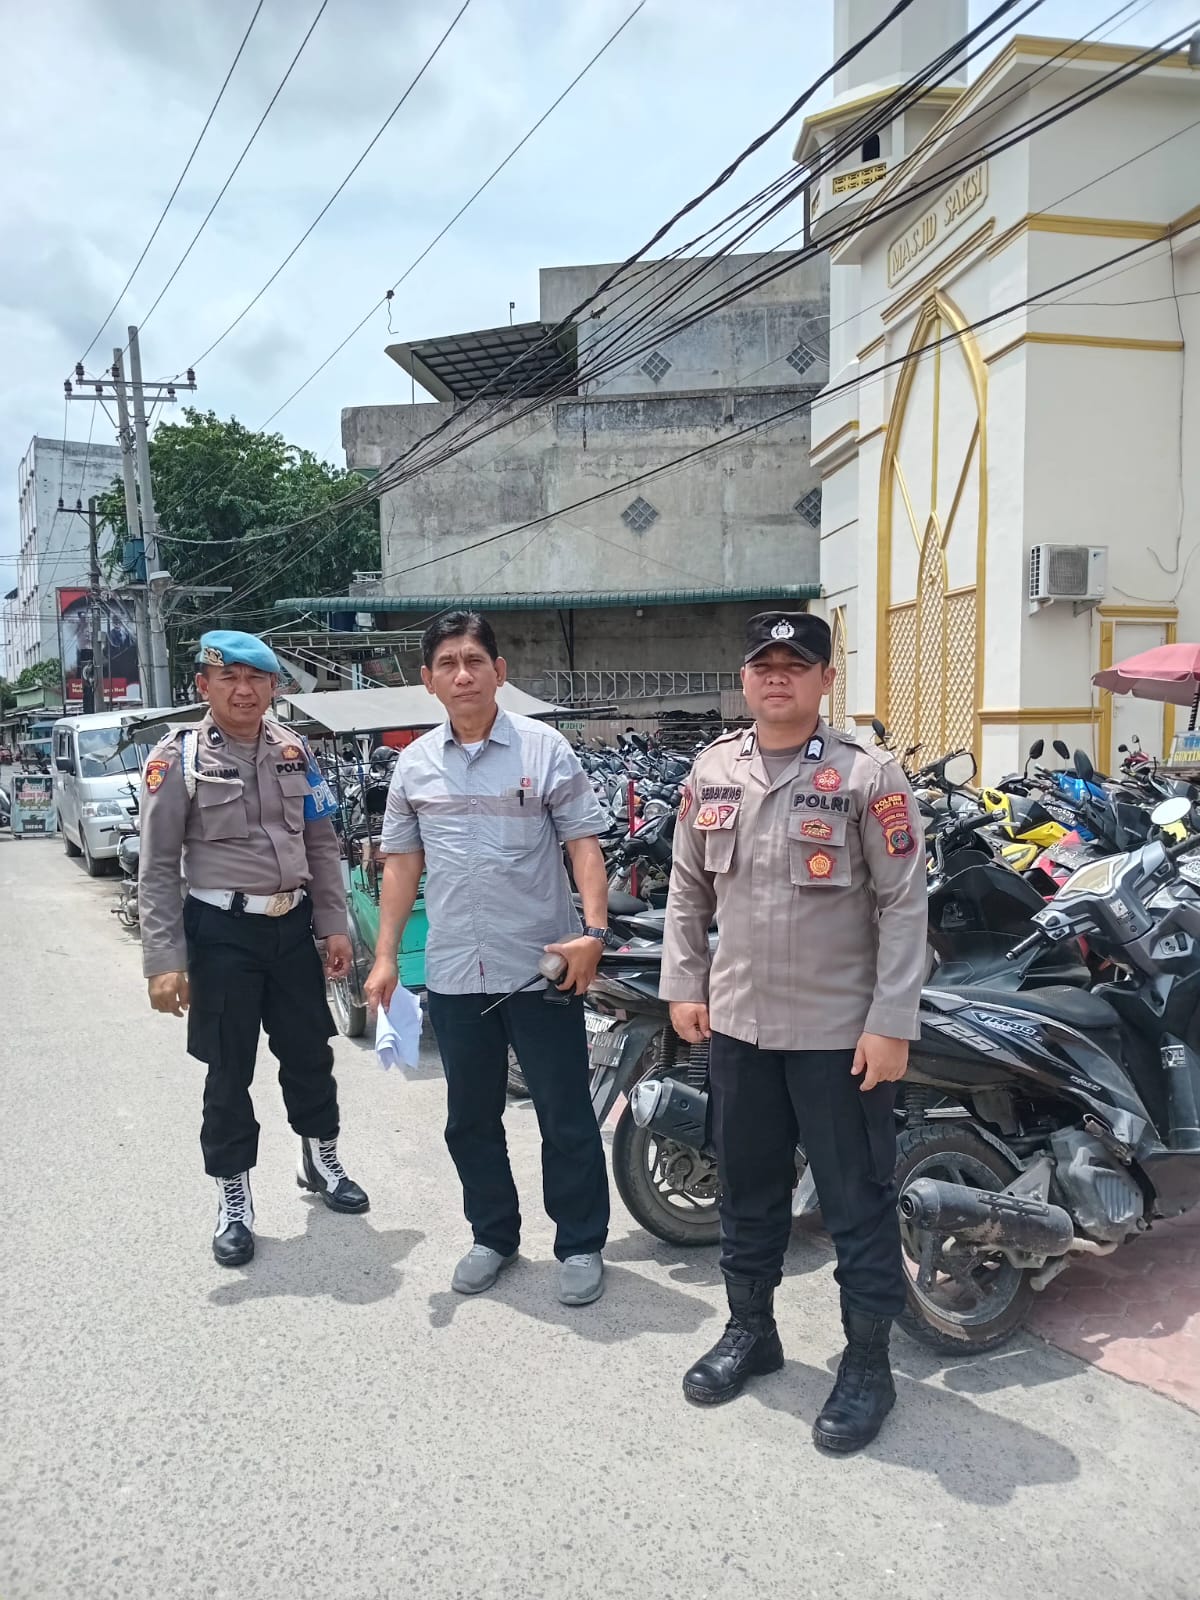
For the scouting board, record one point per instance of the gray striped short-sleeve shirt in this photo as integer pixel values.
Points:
(492, 826)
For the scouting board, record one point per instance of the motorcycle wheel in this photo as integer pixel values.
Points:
(964, 1299)
(517, 1088)
(661, 1188)
(349, 1014)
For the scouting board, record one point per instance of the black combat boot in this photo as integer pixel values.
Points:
(233, 1241)
(322, 1172)
(749, 1346)
(864, 1392)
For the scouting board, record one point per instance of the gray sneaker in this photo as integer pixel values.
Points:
(479, 1269)
(581, 1279)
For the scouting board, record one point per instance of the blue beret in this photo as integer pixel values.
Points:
(226, 647)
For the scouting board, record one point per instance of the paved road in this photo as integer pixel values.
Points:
(332, 1421)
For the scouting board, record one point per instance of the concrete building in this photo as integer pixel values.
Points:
(650, 583)
(990, 425)
(54, 544)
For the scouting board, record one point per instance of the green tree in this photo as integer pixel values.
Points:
(42, 675)
(220, 491)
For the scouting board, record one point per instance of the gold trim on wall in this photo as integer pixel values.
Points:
(1110, 618)
(939, 307)
(870, 349)
(1024, 715)
(832, 438)
(1086, 227)
(871, 433)
(1092, 341)
(1020, 45)
(1163, 611)
(1189, 219)
(919, 290)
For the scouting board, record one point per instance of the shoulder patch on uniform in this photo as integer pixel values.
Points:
(155, 773)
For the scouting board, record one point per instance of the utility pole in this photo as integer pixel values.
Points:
(134, 523)
(99, 697)
(152, 640)
(157, 580)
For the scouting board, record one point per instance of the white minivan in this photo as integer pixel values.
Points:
(95, 784)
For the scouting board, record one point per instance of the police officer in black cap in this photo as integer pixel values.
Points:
(804, 846)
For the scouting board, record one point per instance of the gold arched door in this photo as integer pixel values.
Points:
(932, 526)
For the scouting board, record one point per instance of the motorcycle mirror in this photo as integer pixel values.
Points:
(1169, 812)
(1123, 749)
(1036, 749)
(959, 769)
(1062, 750)
(1083, 765)
(878, 728)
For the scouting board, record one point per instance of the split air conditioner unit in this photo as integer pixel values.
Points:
(1076, 572)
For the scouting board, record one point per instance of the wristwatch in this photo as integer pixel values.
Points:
(598, 933)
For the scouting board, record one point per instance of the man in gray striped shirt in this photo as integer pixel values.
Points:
(483, 806)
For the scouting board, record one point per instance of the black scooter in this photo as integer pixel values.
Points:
(1077, 1120)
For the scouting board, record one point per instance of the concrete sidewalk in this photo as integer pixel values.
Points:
(332, 1420)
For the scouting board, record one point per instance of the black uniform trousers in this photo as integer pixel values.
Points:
(763, 1103)
(246, 973)
(551, 1044)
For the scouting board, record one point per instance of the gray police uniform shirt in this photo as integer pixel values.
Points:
(816, 877)
(243, 828)
(492, 826)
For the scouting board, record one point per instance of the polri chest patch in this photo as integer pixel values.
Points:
(810, 800)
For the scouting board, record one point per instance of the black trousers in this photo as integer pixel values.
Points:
(551, 1045)
(246, 973)
(764, 1101)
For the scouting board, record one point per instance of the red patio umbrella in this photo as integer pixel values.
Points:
(1168, 673)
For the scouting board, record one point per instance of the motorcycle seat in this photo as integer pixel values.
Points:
(1077, 1008)
(619, 904)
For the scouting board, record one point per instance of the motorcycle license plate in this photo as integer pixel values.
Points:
(607, 1048)
(595, 1023)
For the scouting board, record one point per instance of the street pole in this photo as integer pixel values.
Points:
(99, 698)
(156, 578)
(133, 523)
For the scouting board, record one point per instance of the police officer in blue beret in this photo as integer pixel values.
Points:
(241, 800)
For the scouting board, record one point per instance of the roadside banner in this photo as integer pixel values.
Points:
(33, 808)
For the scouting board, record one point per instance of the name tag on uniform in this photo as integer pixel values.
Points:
(710, 818)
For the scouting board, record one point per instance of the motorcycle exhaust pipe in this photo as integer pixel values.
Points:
(673, 1109)
(1010, 1222)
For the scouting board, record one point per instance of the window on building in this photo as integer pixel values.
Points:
(809, 507)
(656, 366)
(801, 358)
(870, 149)
(639, 515)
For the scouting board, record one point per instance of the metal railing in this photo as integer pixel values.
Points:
(606, 687)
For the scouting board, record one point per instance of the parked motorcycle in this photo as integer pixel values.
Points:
(1080, 1111)
(129, 850)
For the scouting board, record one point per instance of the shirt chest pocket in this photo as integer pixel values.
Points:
(222, 810)
(719, 844)
(818, 855)
(294, 790)
(517, 819)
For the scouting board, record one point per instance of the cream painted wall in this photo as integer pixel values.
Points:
(1082, 441)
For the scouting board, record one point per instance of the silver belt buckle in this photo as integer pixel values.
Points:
(279, 904)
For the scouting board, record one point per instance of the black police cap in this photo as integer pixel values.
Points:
(799, 631)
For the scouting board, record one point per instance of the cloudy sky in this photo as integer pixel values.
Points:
(104, 99)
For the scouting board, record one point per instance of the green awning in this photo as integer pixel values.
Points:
(567, 600)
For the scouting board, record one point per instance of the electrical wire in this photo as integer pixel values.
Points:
(178, 182)
(389, 478)
(1032, 125)
(993, 318)
(382, 129)
(233, 174)
(467, 204)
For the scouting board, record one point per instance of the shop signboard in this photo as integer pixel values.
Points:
(33, 808)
